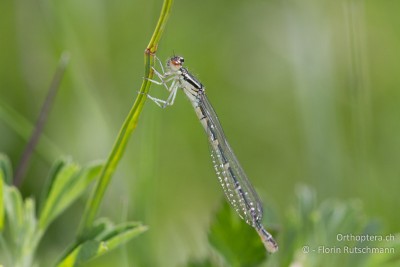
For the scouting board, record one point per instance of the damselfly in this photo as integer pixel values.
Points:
(237, 188)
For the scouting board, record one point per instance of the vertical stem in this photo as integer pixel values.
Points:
(127, 128)
(55, 84)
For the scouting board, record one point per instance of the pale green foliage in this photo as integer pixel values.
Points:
(70, 181)
(107, 238)
(21, 231)
(309, 224)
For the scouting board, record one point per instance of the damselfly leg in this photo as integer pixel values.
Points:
(165, 78)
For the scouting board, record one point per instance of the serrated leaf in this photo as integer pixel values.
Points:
(235, 240)
(112, 238)
(5, 166)
(70, 182)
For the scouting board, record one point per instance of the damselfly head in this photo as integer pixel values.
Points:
(175, 63)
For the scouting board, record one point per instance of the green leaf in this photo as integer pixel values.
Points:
(235, 240)
(99, 227)
(55, 169)
(69, 183)
(122, 233)
(5, 166)
(110, 238)
(14, 209)
(29, 226)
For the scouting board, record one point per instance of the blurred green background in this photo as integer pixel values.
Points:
(307, 92)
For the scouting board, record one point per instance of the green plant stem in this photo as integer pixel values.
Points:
(41, 121)
(127, 128)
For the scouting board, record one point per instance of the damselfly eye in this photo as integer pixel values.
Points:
(176, 61)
